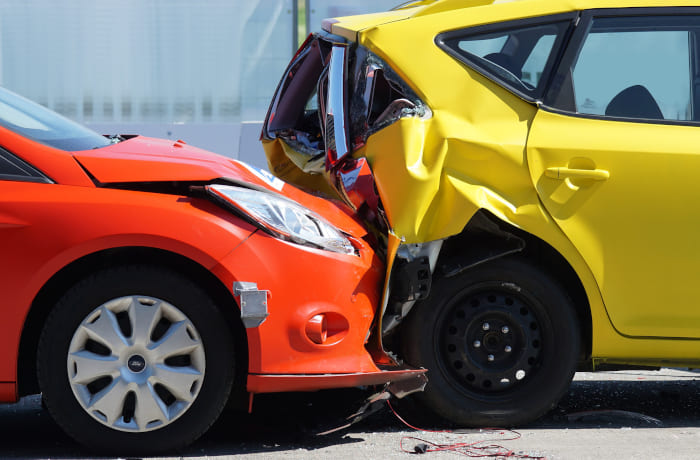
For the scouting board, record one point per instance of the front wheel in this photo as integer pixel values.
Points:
(135, 360)
(500, 342)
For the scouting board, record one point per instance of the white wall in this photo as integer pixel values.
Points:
(318, 10)
(177, 69)
(203, 71)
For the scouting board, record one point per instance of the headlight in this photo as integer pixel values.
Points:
(283, 218)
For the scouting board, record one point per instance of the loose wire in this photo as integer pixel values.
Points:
(484, 448)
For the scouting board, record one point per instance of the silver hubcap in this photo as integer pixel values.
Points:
(136, 363)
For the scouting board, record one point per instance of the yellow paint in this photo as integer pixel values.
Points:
(635, 228)
(623, 238)
(470, 155)
(280, 162)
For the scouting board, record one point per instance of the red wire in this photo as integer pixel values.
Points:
(471, 449)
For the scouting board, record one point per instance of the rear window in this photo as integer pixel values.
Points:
(518, 55)
(294, 113)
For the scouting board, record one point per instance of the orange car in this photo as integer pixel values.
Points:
(144, 281)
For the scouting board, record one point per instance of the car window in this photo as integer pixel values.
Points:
(12, 168)
(483, 46)
(519, 57)
(633, 67)
(535, 63)
(40, 124)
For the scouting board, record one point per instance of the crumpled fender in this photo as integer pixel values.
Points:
(450, 171)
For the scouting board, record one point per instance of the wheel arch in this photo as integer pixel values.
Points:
(69, 275)
(496, 238)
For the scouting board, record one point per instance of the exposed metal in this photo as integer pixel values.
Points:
(335, 127)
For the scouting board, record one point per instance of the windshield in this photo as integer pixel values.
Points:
(42, 125)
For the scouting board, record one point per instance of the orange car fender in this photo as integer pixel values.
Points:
(302, 284)
(82, 223)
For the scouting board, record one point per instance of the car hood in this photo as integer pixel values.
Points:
(141, 160)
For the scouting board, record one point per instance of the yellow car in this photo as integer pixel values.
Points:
(529, 170)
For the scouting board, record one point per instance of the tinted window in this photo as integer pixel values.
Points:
(12, 168)
(45, 126)
(519, 57)
(633, 67)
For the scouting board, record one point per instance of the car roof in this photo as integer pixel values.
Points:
(544, 6)
(471, 12)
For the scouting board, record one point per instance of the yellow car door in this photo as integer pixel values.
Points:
(614, 153)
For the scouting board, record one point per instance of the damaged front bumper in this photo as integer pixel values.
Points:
(310, 324)
(401, 380)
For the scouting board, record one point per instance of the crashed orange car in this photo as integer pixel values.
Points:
(146, 282)
(528, 169)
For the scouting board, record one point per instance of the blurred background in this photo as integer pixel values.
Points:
(202, 71)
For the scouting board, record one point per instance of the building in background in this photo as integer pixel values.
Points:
(201, 71)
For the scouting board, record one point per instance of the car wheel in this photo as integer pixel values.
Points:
(500, 342)
(135, 360)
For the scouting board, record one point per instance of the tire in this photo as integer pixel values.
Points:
(135, 360)
(500, 342)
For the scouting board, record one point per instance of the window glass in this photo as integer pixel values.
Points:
(656, 60)
(482, 46)
(12, 168)
(534, 65)
(519, 57)
(42, 125)
(636, 67)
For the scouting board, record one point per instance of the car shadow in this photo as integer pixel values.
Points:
(289, 422)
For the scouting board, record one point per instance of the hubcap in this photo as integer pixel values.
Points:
(136, 363)
(490, 341)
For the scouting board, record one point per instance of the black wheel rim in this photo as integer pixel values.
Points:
(489, 341)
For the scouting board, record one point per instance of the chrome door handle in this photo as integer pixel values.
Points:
(567, 173)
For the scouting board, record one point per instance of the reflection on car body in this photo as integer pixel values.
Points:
(144, 281)
(526, 170)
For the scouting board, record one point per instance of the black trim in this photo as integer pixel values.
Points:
(591, 116)
(483, 66)
(332, 38)
(32, 173)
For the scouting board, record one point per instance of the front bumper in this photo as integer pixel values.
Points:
(303, 284)
(406, 379)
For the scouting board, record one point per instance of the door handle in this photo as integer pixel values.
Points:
(568, 173)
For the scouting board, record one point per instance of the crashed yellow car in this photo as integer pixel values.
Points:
(529, 170)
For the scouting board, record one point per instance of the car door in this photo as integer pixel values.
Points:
(614, 154)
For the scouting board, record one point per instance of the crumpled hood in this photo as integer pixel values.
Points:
(148, 160)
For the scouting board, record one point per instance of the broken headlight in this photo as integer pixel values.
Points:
(283, 218)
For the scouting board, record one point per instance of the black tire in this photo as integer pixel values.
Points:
(199, 347)
(500, 304)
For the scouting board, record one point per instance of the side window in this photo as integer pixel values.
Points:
(12, 168)
(519, 57)
(633, 67)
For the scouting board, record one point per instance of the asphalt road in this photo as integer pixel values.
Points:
(616, 415)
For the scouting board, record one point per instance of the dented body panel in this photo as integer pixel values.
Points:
(144, 200)
(478, 147)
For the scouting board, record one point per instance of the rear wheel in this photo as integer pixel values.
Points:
(135, 360)
(500, 343)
